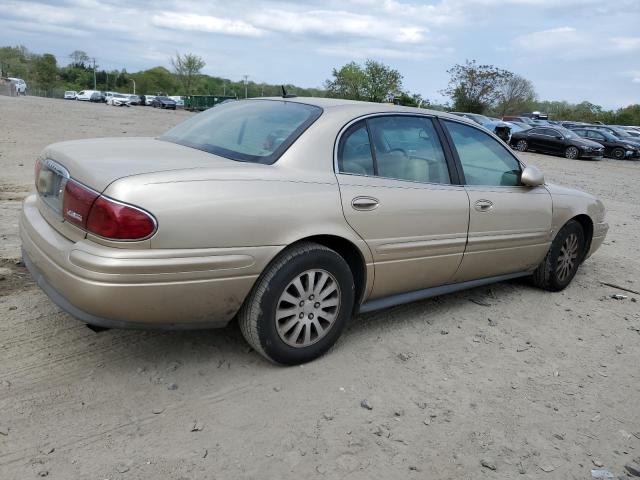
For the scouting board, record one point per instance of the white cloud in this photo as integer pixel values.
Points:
(205, 23)
(626, 44)
(554, 39)
(335, 23)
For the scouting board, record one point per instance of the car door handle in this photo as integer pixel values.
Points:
(483, 205)
(365, 203)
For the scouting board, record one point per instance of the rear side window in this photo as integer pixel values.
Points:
(484, 160)
(249, 130)
(354, 152)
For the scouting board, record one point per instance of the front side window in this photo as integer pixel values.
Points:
(249, 130)
(398, 147)
(484, 160)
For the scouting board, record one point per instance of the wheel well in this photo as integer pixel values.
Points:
(351, 255)
(587, 227)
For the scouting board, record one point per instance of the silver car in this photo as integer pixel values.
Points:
(291, 215)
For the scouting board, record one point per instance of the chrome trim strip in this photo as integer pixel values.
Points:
(408, 297)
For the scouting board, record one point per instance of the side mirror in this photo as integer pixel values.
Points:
(532, 176)
(559, 137)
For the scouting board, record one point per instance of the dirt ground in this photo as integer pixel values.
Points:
(530, 383)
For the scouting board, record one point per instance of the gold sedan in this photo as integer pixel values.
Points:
(292, 215)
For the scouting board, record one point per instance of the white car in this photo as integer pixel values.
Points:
(119, 100)
(87, 95)
(148, 99)
(21, 85)
(179, 100)
(70, 95)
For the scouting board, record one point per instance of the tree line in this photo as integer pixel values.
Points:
(473, 87)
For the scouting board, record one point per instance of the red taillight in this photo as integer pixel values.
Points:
(118, 221)
(77, 202)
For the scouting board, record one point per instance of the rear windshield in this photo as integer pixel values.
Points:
(248, 131)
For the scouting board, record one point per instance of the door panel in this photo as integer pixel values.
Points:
(417, 232)
(509, 224)
(512, 235)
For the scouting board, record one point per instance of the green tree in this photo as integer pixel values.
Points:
(515, 96)
(475, 88)
(187, 68)
(14, 61)
(157, 79)
(79, 59)
(373, 81)
(45, 70)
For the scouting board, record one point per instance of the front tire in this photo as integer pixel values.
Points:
(522, 145)
(571, 152)
(300, 305)
(562, 260)
(618, 153)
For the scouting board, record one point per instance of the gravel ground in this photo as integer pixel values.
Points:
(505, 381)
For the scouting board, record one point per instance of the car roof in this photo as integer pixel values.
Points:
(361, 108)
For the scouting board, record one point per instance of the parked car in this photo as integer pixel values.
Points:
(179, 100)
(148, 99)
(613, 146)
(496, 126)
(280, 212)
(556, 140)
(119, 100)
(617, 132)
(70, 95)
(21, 85)
(163, 102)
(134, 99)
(512, 118)
(89, 96)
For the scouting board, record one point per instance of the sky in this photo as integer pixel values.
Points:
(571, 50)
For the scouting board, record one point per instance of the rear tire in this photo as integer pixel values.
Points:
(562, 260)
(300, 305)
(571, 152)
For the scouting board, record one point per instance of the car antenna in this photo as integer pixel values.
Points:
(287, 95)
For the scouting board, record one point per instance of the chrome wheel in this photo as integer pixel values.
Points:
(568, 257)
(307, 308)
(572, 153)
(521, 146)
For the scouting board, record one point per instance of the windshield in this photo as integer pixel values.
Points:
(249, 130)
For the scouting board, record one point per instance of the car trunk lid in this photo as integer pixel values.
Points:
(98, 162)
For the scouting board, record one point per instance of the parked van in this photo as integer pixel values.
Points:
(21, 85)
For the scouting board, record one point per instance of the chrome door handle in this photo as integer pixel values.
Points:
(483, 205)
(365, 203)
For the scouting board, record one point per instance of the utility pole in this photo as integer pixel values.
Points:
(134, 86)
(94, 74)
(245, 86)
(262, 91)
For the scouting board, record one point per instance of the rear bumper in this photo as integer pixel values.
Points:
(138, 288)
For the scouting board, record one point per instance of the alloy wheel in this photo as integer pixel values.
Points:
(307, 308)
(568, 257)
(521, 145)
(572, 153)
